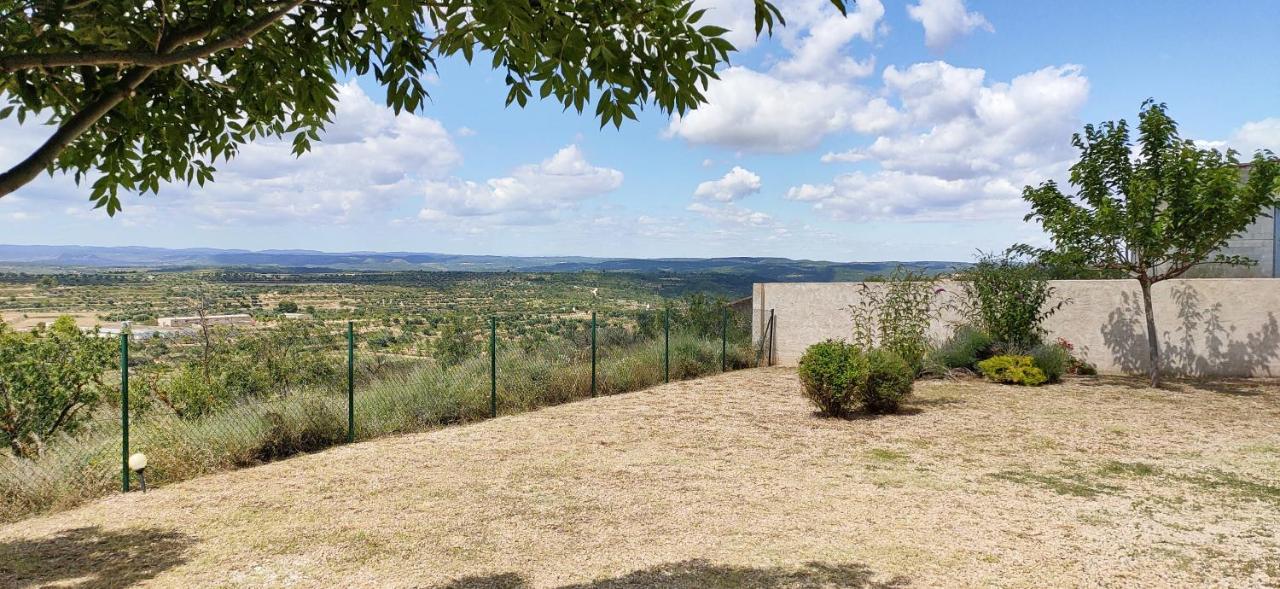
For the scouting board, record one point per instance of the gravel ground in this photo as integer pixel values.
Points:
(728, 481)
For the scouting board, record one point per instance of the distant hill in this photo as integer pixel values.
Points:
(746, 269)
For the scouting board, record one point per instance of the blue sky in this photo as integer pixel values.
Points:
(905, 131)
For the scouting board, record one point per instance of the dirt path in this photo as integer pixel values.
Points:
(725, 482)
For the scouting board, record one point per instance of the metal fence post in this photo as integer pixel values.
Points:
(724, 339)
(773, 334)
(493, 366)
(124, 412)
(666, 345)
(593, 353)
(351, 381)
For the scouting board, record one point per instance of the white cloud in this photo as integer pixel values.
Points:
(945, 21)
(532, 194)
(753, 111)
(936, 91)
(918, 197)
(1248, 138)
(805, 96)
(732, 214)
(737, 183)
(819, 52)
(1255, 135)
(964, 150)
(368, 160)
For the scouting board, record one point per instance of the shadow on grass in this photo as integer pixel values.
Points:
(91, 557)
(1230, 386)
(699, 574)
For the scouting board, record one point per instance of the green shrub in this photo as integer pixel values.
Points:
(1008, 297)
(888, 380)
(1012, 369)
(1052, 359)
(831, 373)
(963, 349)
(896, 313)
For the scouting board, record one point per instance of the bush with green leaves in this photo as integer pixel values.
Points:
(1052, 359)
(1009, 298)
(896, 314)
(1012, 369)
(831, 375)
(888, 379)
(50, 380)
(963, 349)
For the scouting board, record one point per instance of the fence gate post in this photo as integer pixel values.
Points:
(593, 353)
(124, 412)
(351, 381)
(724, 339)
(666, 345)
(493, 366)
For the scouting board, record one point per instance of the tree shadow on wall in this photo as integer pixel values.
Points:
(699, 574)
(91, 557)
(1200, 345)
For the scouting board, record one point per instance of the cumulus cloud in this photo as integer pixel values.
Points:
(532, 194)
(907, 196)
(803, 97)
(731, 214)
(819, 52)
(945, 21)
(965, 149)
(1249, 138)
(753, 111)
(367, 160)
(737, 183)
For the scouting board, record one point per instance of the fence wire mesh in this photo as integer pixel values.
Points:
(229, 396)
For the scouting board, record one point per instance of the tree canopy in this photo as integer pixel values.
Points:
(1156, 211)
(50, 380)
(149, 91)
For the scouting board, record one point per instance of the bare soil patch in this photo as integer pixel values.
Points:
(725, 482)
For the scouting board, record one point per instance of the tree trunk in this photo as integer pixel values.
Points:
(1153, 342)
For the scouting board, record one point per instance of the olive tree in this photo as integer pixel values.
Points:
(141, 92)
(50, 379)
(1156, 211)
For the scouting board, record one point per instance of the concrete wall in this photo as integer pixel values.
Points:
(1207, 327)
(1258, 242)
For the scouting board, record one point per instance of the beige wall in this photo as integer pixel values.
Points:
(1208, 327)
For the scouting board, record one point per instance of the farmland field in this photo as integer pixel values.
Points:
(209, 397)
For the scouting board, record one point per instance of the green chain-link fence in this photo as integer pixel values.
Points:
(306, 385)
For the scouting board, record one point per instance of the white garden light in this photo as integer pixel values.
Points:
(138, 464)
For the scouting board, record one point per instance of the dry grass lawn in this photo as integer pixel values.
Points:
(725, 482)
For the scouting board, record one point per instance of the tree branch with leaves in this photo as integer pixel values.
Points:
(143, 92)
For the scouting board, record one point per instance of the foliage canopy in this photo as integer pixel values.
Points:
(151, 91)
(50, 380)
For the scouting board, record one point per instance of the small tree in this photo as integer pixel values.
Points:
(1154, 213)
(50, 379)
